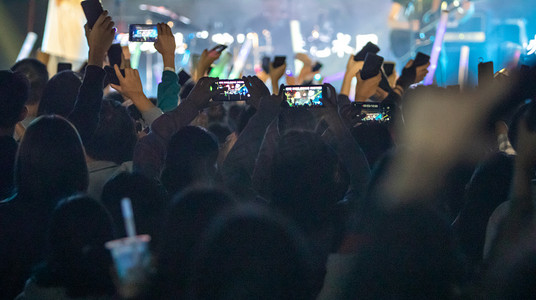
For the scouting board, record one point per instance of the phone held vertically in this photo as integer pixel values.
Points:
(303, 96)
(371, 66)
(231, 90)
(373, 112)
(92, 9)
(142, 33)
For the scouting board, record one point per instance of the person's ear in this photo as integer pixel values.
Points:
(23, 113)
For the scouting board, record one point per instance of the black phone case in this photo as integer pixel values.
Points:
(388, 68)
(368, 48)
(279, 61)
(114, 54)
(421, 59)
(317, 67)
(92, 9)
(372, 66)
(485, 73)
(111, 77)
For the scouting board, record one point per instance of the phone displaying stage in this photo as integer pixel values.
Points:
(231, 90)
(373, 112)
(142, 33)
(305, 96)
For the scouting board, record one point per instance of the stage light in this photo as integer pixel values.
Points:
(315, 34)
(531, 47)
(148, 21)
(171, 24)
(317, 77)
(202, 35)
(240, 38)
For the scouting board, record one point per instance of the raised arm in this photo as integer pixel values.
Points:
(85, 114)
(168, 89)
(150, 152)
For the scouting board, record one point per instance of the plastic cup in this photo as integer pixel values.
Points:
(131, 257)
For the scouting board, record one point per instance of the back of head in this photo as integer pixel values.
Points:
(77, 259)
(296, 119)
(191, 157)
(250, 253)
(59, 94)
(36, 73)
(115, 136)
(374, 139)
(50, 162)
(304, 179)
(14, 91)
(412, 256)
(148, 202)
(188, 217)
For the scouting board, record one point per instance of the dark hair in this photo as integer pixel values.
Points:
(411, 255)
(148, 202)
(296, 119)
(513, 126)
(50, 162)
(304, 179)
(191, 157)
(36, 73)
(187, 218)
(115, 136)
(375, 140)
(14, 89)
(243, 118)
(60, 94)
(251, 253)
(77, 259)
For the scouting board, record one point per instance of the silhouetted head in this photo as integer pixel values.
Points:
(36, 73)
(50, 162)
(296, 119)
(115, 136)
(148, 203)
(251, 253)
(304, 179)
(513, 126)
(191, 158)
(77, 259)
(60, 94)
(14, 91)
(187, 219)
(374, 139)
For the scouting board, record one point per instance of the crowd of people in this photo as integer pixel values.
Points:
(256, 201)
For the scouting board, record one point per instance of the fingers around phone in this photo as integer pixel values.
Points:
(118, 73)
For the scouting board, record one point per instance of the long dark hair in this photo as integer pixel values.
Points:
(50, 163)
(77, 259)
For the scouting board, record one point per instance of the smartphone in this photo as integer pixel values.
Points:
(373, 112)
(372, 66)
(114, 54)
(388, 68)
(64, 67)
(384, 83)
(279, 61)
(219, 48)
(92, 9)
(142, 33)
(317, 67)
(266, 64)
(421, 59)
(183, 77)
(303, 96)
(368, 48)
(111, 77)
(231, 90)
(485, 73)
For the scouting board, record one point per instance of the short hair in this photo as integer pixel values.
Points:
(59, 95)
(115, 136)
(36, 73)
(50, 162)
(77, 259)
(14, 91)
(191, 155)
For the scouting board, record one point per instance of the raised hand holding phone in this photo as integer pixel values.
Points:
(205, 60)
(277, 71)
(131, 87)
(165, 45)
(100, 38)
(257, 90)
(366, 88)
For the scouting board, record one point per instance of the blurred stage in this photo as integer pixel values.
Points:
(328, 30)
